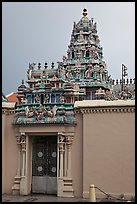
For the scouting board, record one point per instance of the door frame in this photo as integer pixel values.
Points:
(43, 130)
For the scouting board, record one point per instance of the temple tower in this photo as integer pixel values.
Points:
(84, 63)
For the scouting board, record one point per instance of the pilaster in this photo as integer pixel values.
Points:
(17, 179)
(65, 188)
(23, 170)
(69, 139)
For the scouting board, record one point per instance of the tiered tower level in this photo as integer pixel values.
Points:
(81, 75)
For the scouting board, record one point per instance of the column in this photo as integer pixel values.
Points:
(60, 164)
(23, 189)
(69, 139)
(23, 146)
(16, 186)
(18, 138)
(65, 160)
(61, 153)
(67, 179)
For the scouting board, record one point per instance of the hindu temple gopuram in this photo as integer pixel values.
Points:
(73, 124)
(82, 75)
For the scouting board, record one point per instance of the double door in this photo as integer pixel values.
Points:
(44, 164)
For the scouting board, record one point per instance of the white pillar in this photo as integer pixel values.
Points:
(69, 160)
(58, 157)
(23, 170)
(61, 154)
(23, 144)
(69, 139)
(67, 180)
(23, 164)
(18, 138)
(65, 160)
(61, 163)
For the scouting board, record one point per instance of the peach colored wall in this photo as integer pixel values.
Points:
(103, 152)
(10, 154)
(109, 152)
(3, 153)
(28, 163)
(77, 158)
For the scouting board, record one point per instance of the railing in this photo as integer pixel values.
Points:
(125, 81)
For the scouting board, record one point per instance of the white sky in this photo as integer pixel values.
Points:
(40, 32)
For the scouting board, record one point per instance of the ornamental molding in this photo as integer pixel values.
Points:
(18, 139)
(69, 134)
(105, 110)
(65, 138)
(69, 138)
(61, 142)
(8, 112)
(23, 142)
(45, 124)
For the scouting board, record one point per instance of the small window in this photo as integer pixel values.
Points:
(28, 98)
(57, 98)
(87, 53)
(88, 96)
(33, 98)
(57, 85)
(93, 96)
(53, 99)
(42, 99)
(68, 100)
(72, 54)
(83, 53)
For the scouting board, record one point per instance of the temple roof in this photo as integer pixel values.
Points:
(12, 97)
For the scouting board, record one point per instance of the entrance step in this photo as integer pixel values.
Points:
(68, 189)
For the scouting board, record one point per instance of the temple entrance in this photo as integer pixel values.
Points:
(44, 164)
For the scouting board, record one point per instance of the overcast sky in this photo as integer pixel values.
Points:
(40, 32)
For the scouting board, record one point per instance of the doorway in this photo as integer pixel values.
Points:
(44, 164)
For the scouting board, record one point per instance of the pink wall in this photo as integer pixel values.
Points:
(103, 151)
(77, 155)
(109, 152)
(10, 154)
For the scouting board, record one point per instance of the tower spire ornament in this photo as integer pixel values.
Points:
(84, 12)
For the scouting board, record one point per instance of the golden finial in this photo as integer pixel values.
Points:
(84, 12)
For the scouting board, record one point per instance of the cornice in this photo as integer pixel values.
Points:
(88, 110)
(102, 106)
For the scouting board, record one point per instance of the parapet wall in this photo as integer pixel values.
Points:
(108, 145)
